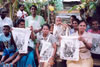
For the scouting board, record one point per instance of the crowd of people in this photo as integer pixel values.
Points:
(42, 32)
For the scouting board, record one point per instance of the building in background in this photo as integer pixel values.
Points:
(70, 0)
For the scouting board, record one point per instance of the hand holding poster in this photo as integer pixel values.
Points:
(21, 37)
(69, 48)
(95, 43)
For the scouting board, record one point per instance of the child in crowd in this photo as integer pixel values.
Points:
(6, 38)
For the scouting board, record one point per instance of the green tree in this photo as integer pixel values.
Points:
(86, 7)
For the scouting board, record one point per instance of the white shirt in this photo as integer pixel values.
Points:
(21, 13)
(35, 22)
(5, 21)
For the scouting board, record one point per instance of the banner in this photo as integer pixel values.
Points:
(95, 43)
(21, 37)
(69, 49)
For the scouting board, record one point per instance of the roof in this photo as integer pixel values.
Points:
(70, 0)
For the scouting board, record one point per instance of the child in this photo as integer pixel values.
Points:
(6, 38)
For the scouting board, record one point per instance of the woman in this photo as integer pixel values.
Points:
(85, 39)
(73, 17)
(41, 40)
(75, 26)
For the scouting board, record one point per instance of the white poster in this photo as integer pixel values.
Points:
(95, 44)
(46, 51)
(21, 37)
(69, 48)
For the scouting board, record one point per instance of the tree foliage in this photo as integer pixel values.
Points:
(85, 7)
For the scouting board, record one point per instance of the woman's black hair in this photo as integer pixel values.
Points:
(82, 21)
(33, 6)
(20, 20)
(73, 16)
(46, 25)
(77, 20)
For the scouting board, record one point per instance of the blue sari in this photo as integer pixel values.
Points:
(27, 60)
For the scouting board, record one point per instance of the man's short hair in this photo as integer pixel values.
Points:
(7, 26)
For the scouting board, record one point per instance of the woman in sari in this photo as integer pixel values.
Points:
(85, 41)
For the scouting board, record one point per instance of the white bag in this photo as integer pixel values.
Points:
(69, 49)
(95, 44)
(21, 37)
(46, 51)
